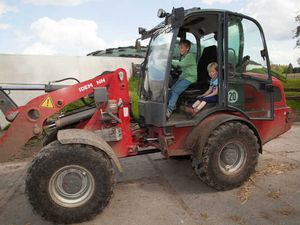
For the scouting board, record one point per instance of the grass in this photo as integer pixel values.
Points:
(133, 87)
(291, 93)
(295, 105)
(292, 83)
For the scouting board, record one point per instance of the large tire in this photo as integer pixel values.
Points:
(229, 156)
(70, 183)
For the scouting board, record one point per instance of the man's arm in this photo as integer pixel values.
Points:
(188, 60)
(175, 62)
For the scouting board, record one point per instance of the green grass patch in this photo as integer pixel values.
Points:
(133, 83)
(133, 87)
(292, 93)
(295, 105)
(292, 83)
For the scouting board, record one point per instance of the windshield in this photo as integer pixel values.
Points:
(156, 66)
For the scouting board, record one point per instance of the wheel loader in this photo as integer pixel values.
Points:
(72, 177)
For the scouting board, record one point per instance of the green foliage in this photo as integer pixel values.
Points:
(296, 69)
(133, 87)
(77, 104)
(133, 83)
(297, 34)
(290, 68)
(280, 69)
(297, 31)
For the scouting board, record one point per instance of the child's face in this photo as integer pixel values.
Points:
(212, 73)
(183, 49)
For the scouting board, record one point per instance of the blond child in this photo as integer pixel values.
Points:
(211, 95)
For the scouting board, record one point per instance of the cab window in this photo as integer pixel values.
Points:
(246, 49)
(208, 40)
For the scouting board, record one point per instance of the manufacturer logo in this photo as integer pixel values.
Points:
(85, 87)
(100, 81)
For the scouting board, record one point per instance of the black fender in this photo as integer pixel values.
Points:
(80, 136)
(196, 140)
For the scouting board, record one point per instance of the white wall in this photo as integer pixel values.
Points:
(42, 69)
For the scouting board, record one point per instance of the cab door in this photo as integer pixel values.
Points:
(248, 81)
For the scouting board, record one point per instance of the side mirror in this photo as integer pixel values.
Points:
(138, 46)
(263, 54)
(142, 30)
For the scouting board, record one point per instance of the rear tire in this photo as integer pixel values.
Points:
(229, 156)
(69, 183)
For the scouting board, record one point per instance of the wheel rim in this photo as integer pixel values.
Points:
(232, 157)
(71, 186)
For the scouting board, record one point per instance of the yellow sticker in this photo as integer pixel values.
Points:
(47, 103)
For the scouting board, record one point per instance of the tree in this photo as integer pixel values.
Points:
(297, 31)
(297, 34)
(290, 68)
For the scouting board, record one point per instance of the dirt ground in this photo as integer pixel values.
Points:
(156, 191)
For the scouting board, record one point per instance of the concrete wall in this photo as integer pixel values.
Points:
(42, 69)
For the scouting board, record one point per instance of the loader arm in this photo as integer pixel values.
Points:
(30, 118)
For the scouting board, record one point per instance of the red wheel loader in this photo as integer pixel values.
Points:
(71, 179)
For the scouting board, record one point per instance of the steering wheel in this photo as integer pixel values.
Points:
(175, 72)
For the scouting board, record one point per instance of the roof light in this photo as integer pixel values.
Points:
(161, 13)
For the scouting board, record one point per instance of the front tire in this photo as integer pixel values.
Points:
(69, 183)
(229, 156)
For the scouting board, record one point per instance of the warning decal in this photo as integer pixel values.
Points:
(47, 103)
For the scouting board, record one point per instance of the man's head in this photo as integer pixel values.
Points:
(184, 46)
(212, 69)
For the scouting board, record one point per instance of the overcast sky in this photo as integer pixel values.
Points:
(77, 27)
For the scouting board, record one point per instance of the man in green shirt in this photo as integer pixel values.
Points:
(188, 66)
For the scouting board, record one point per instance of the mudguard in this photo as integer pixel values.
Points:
(80, 136)
(197, 138)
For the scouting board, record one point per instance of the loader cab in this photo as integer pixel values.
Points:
(236, 42)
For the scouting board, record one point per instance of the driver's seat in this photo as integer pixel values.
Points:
(209, 55)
